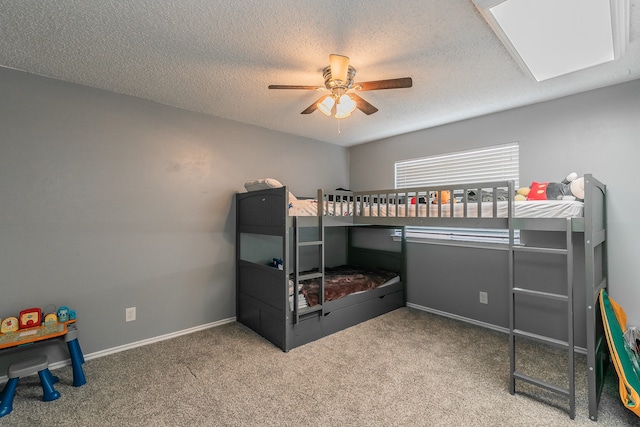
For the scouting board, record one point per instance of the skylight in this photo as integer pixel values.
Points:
(550, 38)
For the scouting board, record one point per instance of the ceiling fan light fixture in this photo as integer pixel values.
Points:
(326, 105)
(341, 113)
(346, 104)
(339, 67)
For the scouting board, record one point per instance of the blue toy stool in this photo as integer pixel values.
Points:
(25, 368)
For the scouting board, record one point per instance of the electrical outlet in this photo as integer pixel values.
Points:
(484, 298)
(130, 314)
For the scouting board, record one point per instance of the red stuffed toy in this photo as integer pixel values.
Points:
(571, 188)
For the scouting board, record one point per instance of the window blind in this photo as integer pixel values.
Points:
(494, 163)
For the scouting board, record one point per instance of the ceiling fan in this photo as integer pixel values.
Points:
(342, 99)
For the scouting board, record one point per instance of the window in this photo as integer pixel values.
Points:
(495, 163)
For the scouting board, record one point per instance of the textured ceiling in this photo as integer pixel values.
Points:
(218, 57)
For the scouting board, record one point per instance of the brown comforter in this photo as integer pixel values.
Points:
(345, 280)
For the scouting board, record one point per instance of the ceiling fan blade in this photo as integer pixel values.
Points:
(313, 107)
(363, 105)
(387, 84)
(295, 87)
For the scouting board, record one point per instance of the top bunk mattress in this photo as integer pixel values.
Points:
(523, 209)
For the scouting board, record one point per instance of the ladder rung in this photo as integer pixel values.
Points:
(319, 242)
(311, 243)
(551, 387)
(307, 310)
(541, 294)
(540, 338)
(533, 249)
(308, 276)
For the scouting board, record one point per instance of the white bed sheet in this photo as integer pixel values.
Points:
(309, 207)
(523, 209)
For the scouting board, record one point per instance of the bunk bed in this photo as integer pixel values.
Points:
(287, 290)
(266, 295)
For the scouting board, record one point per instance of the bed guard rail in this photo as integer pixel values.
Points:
(336, 203)
(478, 202)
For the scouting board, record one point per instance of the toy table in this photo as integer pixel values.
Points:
(40, 333)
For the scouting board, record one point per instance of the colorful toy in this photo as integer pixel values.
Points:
(33, 317)
(30, 318)
(570, 188)
(10, 324)
(445, 196)
(63, 314)
(522, 193)
(51, 319)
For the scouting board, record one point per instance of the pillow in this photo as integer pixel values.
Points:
(265, 184)
(262, 184)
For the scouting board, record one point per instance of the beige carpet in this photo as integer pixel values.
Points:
(406, 368)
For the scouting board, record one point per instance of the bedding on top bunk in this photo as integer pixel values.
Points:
(309, 207)
(303, 207)
(342, 281)
(523, 209)
(342, 207)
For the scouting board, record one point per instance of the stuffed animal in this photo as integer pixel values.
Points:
(570, 188)
(522, 194)
(445, 195)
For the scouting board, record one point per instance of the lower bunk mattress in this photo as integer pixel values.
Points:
(370, 297)
(340, 282)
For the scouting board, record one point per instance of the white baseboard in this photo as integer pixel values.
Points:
(474, 322)
(129, 346)
(101, 353)
(461, 318)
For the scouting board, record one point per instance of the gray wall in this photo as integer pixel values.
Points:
(108, 202)
(594, 132)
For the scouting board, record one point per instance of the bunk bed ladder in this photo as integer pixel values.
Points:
(567, 298)
(319, 244)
